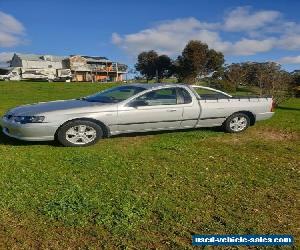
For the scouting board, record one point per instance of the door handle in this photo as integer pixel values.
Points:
(171, 110)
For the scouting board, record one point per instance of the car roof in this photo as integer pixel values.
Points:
(155, 85)
(148, 86)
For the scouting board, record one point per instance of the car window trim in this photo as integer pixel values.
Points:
(184, 89)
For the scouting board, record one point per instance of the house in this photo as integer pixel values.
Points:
(33, 61)
(95, 68)
(83, 68)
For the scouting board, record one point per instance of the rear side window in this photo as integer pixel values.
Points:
(184, 96)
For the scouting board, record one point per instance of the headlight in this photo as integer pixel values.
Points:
(28, 119)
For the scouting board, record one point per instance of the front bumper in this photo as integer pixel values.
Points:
(29, 131)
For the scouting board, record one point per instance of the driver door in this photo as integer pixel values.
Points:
(155, 110)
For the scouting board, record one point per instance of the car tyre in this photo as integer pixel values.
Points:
(236, 123)
(79, 133)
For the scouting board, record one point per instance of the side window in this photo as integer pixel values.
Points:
(210, 94)
(122, 93)
(184, 96)
(160, 97)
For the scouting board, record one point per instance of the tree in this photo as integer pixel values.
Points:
(146, 64)
(163, 67)
(296, 77)
(215, 60)
(270, 78)
(151, 65)
(229, 77)
(295, 84)
(236, 74)
(197, 60)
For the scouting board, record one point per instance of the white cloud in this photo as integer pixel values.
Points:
(11, 31)
(247, 47)
(166, 39)
(290, 42)
(116, 39)
(181, 24)
(169, 37)
(242, 19)
(261, 31)
(290, 60)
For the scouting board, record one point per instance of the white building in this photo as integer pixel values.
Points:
(32, 61)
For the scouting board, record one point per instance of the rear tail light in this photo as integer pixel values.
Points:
(273, 105)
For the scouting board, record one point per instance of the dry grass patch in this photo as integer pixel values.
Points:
(132, 140)
(259, 133)
(275, 134)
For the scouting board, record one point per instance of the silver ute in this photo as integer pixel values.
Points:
(134, 108)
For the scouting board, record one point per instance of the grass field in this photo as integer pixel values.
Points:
(149, 191)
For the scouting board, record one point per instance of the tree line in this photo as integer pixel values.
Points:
(195, 61)
(198, 62)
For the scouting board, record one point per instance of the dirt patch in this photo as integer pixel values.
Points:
(25, 233)
(275, 135)
(259, 134)
(132, 140)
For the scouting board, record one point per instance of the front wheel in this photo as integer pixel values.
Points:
(236, 123)
(79, 133)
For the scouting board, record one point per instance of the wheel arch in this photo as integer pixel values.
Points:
(106, 131)
(249, 114)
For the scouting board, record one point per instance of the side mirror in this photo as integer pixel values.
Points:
(138, 103)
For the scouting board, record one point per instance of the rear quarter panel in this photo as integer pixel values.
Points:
(215, 112)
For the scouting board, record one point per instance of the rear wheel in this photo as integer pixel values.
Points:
(236, 123)
(79, 133)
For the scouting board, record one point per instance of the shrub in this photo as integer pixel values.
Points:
(223, 85)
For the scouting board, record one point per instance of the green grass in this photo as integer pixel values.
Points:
(148, 191)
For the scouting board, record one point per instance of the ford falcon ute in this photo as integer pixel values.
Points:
(134, 108)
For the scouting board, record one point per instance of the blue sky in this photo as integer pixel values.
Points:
(242, 30)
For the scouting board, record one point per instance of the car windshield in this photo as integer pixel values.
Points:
(114, 95)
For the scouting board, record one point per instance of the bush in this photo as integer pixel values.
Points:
(223, 85)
